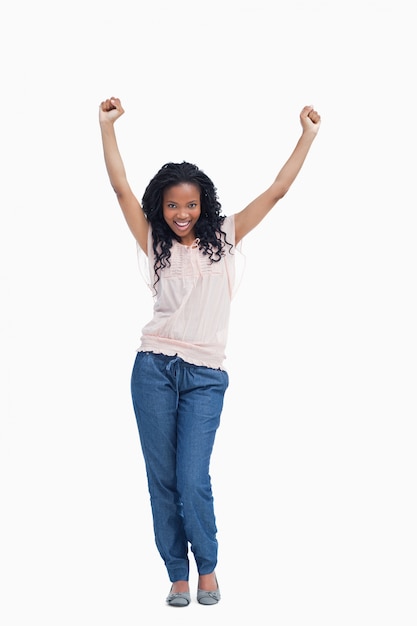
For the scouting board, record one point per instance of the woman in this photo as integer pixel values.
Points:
(178, 379)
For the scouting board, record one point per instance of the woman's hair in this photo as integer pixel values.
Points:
(208, 230)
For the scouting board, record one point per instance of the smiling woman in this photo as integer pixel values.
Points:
(181, 210)
(178, 380)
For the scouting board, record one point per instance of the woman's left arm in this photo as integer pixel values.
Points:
(254, 213)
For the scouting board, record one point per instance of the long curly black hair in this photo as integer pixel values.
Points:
(208, 229)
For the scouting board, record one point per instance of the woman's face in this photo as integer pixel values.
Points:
(181, 208)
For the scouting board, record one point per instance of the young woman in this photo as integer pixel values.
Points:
(178, 379)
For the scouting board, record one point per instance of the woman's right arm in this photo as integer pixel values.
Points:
(110, 110)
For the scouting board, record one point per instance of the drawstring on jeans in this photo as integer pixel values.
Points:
(171, 363)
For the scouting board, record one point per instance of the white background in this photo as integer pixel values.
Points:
(315, 462)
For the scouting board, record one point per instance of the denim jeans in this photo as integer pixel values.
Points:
(177, 407)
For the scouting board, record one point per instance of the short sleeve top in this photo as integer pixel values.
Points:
(192, 303)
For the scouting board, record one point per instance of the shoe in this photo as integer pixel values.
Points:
(179, 599)
(208, 597)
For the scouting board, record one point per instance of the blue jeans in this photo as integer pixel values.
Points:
(177, 407)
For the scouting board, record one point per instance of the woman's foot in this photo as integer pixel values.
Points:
(208, 591)
(179, 594)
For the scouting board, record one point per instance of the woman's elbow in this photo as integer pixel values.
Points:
(279, 192)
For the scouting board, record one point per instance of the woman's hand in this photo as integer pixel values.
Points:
(310, 119)
(110, 110)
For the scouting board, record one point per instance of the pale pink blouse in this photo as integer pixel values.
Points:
(192, 303)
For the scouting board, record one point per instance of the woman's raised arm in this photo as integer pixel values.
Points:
(110, 110)
(254, 213)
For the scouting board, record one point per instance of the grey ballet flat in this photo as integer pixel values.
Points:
(208, 597)
(179, 599)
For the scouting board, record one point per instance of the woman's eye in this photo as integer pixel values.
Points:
(171, 206)
(192, 205)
